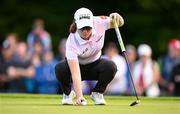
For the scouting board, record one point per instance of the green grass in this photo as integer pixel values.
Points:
(49, 104)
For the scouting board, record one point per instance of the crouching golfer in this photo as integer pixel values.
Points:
(83, 57)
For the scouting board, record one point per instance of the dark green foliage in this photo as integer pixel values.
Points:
(153, 22)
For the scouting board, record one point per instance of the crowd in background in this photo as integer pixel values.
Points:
(28, 66)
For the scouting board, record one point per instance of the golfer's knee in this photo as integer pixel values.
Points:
(111, 68)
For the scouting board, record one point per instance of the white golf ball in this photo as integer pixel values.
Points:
(84, 102)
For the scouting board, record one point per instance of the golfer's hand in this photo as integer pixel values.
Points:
(81, 101)
(115, 17)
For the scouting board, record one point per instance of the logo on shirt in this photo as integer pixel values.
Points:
(99, 39)
(84, 51)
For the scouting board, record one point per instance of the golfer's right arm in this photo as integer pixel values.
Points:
(76, 78)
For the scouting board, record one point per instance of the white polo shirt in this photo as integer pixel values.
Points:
(88, 51)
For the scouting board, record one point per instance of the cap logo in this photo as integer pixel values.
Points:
(84, 16)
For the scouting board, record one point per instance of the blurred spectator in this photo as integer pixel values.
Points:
(6, 55)
(146, 73)
(174, 87)
(131, 56)
(118, 85)
(61, 49)
(20, 69)
(37, 53)
(45, 78)
(39, 33)
(13, 40)
(167, 62)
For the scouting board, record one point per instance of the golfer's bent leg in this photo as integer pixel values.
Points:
(107, 70)
(64, 76)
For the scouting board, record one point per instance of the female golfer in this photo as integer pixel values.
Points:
(83, 57)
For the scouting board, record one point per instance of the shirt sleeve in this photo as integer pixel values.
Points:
(104, 21)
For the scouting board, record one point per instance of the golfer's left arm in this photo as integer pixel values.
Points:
(115, 17)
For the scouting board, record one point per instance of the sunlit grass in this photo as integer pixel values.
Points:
(50, 104)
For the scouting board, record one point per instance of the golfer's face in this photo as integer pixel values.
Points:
(85, 32)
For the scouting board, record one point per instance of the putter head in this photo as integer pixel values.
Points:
(135, 103)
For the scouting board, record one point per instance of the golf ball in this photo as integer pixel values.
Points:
(83, 102)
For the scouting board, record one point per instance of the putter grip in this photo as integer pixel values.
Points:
(119, 37)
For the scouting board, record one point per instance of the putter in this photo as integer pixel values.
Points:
(125, 56)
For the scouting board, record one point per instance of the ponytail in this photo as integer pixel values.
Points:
(73, 27)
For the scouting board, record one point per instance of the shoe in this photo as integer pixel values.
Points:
(68, 99)
(98, 98)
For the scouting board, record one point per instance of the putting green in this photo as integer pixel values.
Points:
(49, 104)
